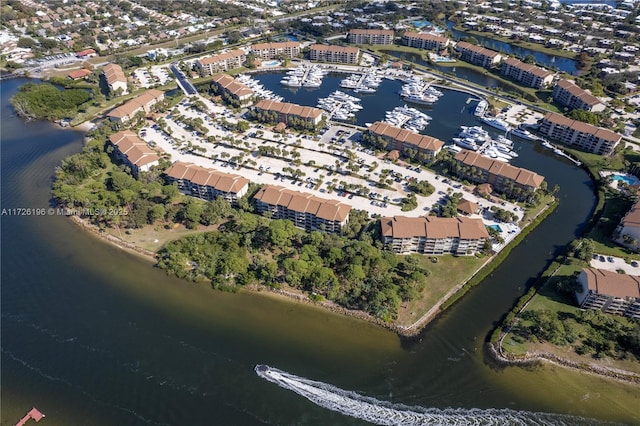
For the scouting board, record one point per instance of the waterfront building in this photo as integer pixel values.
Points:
(222, 62)
(578, 134)
(238, 91)
(477, 55)
(306, 211)
(207, 184)
(527, 74)
(372, 36)
(133, 152)
(627, 232)
(116, 80)
(405, 141)
(609, 292)
(424, 41)
(568, 94)
(287, 49)
(141, 103)
(503, 177)
(460, 236)
(338, 54)
(78, 74)
(288, 113)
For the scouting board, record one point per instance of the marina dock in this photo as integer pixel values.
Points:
(34, 414)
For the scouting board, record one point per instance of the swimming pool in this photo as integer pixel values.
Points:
(420, 24)
(629, 180)
(496, 227)
(271, 64)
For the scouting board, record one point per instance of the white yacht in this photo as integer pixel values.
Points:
(496, 123)
(523, 134)
(481, 108)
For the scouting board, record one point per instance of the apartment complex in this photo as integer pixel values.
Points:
(206, 184)
(238, 91)
(222, 62)
(527, 74)
(628, 230)
(288, 113)
(339, 54)
(405, 140)
(433, 235)
(424, 41)
(578, 134)
(142, 103)
(609, 292)
(287, 49)
(133, 152)
(567, 93)
(306, 211)
(477, 55)
(116, 80)
(503, 177)
(373, 36)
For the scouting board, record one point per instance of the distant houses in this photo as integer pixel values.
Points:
(424, 41)
(287, 49)
(407, 142)
(568, 94)
(133, 152)
(116, 80)
(207, 184)
(578, 134)
(370, 36)
(477, 55)
(609, 292)
(337, 54)
(306, 211)
(222, 62)
(527, 74)
(433, 235)
(142, 103)
(225, 84)
(513, 181)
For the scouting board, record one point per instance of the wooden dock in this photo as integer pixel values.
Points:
(34, 414)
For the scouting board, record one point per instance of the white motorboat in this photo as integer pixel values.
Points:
(496, 123)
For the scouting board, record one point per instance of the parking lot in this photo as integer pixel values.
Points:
(152, 76)
(614, 264)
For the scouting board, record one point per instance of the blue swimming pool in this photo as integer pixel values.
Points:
(420, 24)
(271, 64)
(629, 180)
(496, 227)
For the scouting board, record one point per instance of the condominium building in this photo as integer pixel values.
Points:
(288, 113)
(116, 80)
(527, 74)
(133, 152)
(207, 184)
(609, 292)
(424, 41)
(373, 36)
(567, 93)
(503, 177)
(405, 140)
(628, 230)
(339, 54)
(433, 235)
(287, 49)
(578, 134)
(238, 91)
(306, 211)
(222, 62)
(142, 103)
(477, 55)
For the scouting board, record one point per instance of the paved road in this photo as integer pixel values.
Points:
(184, 84)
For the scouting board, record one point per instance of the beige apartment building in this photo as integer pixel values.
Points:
(207, 184)
(222, 62)
(133, 152)
(477, 55)
(371, 36)
(609, 292)
(578, 134)
(286, 111)
(567, 93)
(527, 74)
(287, 49)
(142, 103)
(424, 41)
(338, 54)
(404, 140)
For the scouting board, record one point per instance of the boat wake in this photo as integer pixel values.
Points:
(385, 413)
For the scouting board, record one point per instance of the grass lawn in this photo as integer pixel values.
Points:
(448, 272)
(153, 237)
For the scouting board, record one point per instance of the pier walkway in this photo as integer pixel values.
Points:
(34, 414)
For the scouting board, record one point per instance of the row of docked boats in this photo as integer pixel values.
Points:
(362, 83)
(418, 91)
(258, 88)
(304, 76)
(340, 106)
(476, 138)
(407, 118)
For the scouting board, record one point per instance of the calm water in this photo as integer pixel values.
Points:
(94, 336)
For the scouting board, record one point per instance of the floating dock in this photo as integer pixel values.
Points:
(34, 414)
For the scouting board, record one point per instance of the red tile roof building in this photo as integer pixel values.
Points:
(339, 54)
(222, 62)
(513, 181)
(628, 230)
(609, 292)
(578, 134)
(287, 49)
(405, 140)
(567, 93)
(424, 41)
(86, 53)
(433, 235)
(133, 152)
(142, 103)
(306, 211)
(372, 36)
(207, 184)
(78, 74)
(236, 90)
(527, 74)
(286, 112)
(115, 78)
(477, 55)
